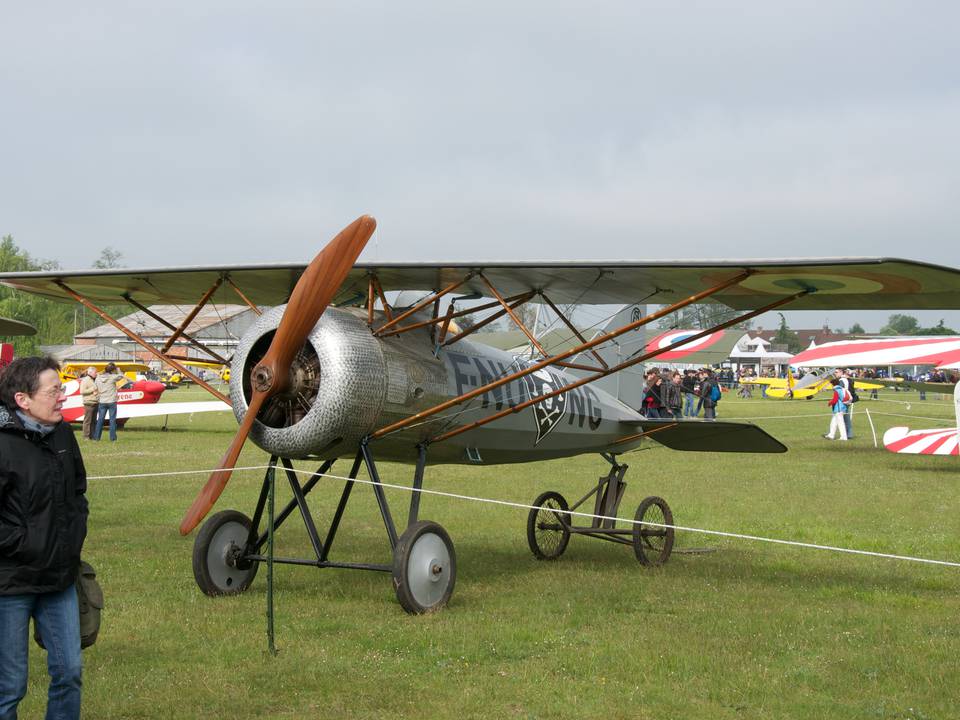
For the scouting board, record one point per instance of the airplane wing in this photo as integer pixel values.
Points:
(713, 436)
(944, 441)
(915, 350)
(854, 283)
(709, 350)
(172, 408)
(11, 328)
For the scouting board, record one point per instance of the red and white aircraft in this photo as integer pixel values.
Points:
(941, 441)
(136, 399)
(936, 350)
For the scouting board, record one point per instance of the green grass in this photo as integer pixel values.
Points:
(748, 630)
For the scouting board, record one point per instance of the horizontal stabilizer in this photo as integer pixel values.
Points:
(711, 436)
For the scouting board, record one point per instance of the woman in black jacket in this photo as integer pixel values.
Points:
(43, 523)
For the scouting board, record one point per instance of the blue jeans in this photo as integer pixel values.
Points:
(102, 411)
(848, 421)
(58, 619)
(689, 400)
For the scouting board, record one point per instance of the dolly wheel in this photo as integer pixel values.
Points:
(548, 531)
(424, 568)
(652, 543)
(217, 550)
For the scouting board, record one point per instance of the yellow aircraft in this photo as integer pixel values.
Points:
(790, 388)
(72, 370)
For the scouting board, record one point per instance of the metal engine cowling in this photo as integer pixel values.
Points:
(337, 389)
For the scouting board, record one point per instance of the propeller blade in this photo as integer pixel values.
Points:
(313, 292)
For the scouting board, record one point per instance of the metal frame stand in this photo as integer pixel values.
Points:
(607, 494)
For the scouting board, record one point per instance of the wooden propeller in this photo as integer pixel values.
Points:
(313, 292)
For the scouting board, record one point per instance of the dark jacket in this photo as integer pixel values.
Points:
(43, 508)
(706, 389)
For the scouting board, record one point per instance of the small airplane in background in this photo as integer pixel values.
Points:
(334, 371)
(135, 399)
(804, 388)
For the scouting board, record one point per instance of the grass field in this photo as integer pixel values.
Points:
(748, 630)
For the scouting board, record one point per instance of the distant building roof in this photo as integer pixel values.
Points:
(87, 353)
(146, 327)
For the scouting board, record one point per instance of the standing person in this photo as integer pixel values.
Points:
(672, 394)
(849, 383)
(90, 394)
(652, 399)
(707, 395)
(837, 406)
(689, 393)
(43, 523)
(107, 386)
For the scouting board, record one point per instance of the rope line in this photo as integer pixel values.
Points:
(571, 513)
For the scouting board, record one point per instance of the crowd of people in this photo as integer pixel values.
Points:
(673, 395)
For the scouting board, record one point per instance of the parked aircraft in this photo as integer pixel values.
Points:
(337, 372)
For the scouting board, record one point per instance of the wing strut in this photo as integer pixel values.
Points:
(616, 368)
(193, 341)
(599, 340)
(143, 343)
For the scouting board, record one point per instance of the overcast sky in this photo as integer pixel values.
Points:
(224, 132)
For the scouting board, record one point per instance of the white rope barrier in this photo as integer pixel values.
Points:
(571, 513)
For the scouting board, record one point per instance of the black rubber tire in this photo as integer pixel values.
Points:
(545, 540)
(653, 545)
(220, 539)
(424, 568)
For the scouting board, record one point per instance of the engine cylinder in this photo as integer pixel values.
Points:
(336, 393)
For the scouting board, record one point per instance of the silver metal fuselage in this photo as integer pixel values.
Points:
(366, 383)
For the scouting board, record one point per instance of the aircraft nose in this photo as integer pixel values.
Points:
(153, 387)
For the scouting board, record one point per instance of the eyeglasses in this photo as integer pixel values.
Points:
(52, 393)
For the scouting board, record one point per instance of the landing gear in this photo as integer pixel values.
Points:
(548, 531)
(230, 546)
(218, 554)
(424, 568)
(653, 543)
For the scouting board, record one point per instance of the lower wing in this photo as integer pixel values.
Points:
(126, 410)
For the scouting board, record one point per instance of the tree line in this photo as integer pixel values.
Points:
(56, 322)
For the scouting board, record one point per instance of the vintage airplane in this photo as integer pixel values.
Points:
(337, 372)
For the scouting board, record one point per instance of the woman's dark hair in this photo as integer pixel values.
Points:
(110, 368)
(23, 375)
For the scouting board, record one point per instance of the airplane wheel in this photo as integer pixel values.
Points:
(217, 567)
(424, 568)
(653, 545)
(547, 531)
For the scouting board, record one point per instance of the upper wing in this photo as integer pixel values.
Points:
(856, 283)
(936, 350)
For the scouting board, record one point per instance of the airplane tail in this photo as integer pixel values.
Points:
(627, 385)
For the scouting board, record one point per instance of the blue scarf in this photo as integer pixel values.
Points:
(33, 425)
